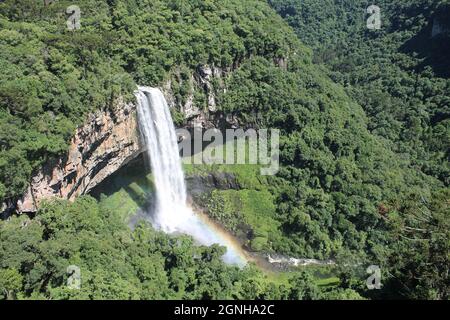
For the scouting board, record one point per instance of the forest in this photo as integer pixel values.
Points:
(365, 133)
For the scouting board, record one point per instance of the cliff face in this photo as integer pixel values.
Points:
(439, 28)
(107, 141)
(207, 115)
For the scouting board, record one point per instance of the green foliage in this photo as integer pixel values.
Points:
(343, 294)
(10, 283)
(117, 262)
(248, 213)
(225, 207)
(50, 80)
(418, 261)
(304, 288)
(51, 77)
(334, 173)
(399, 74)
(351, 151)
(400, 77)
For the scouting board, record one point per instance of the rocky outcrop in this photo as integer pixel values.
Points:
(207, 80)
(107, 141)
(6, 208)
(282, 262)
(199, 185)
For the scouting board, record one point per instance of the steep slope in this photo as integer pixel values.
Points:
(52, 77)
(336, 177)
(398, 74)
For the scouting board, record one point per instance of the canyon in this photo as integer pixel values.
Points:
(109, 139)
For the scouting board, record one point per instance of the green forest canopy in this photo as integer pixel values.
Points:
(355, 169)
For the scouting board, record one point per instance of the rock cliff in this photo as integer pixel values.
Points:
(206, 81)
(110, 139)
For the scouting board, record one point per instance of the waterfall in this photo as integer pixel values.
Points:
(171, 213)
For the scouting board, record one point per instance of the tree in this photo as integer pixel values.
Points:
(10, 283)
(419, 263)
(303, 287)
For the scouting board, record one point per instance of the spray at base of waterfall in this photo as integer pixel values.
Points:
(171, 214)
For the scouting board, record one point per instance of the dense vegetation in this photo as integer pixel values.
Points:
(398, 74)
(119, 263)
(52, 76)
(364, 159)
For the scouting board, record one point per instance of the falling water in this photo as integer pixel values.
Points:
(172, 214)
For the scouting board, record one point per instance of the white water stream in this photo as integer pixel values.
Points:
(172, 215)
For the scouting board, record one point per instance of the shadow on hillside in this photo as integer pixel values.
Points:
(132, 178)
(433, 50)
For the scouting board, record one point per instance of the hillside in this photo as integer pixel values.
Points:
(348, 188)
(67, 74)
(398, 74)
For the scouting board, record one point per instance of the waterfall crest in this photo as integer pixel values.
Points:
(171, 214)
